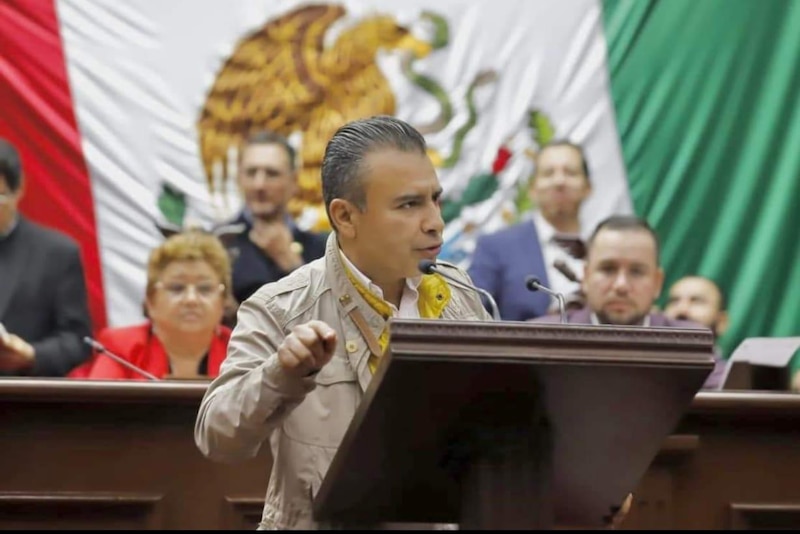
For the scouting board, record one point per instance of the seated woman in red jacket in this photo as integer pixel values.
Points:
(188, 277)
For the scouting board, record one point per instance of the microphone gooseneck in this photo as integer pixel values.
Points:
(533, 284)
(430, 267)
(100, 349)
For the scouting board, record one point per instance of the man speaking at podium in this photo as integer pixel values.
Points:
(305, 348)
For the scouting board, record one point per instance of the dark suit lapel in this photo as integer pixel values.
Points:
(12, 263)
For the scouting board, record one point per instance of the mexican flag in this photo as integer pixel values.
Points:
(128, 114)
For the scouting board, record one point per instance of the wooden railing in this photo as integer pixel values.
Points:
(91, 454)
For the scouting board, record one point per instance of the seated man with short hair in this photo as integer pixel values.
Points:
(623, 278)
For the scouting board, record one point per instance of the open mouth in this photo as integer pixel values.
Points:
(431, 252)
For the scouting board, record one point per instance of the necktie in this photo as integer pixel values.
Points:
(572, 245)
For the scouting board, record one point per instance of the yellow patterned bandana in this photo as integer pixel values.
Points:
(434, 294)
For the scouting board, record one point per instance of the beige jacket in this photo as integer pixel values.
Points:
(304, 418)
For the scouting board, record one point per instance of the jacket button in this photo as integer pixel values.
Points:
(351, 345)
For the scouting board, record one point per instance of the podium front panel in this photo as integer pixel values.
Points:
(609, 395)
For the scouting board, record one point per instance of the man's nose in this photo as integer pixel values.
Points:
(259, 178)
(621, 281)
(433, 222)
(680, 308)
(559, 179)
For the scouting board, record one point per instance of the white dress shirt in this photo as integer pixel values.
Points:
(551, 252)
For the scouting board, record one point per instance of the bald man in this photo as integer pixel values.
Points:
(698, 299)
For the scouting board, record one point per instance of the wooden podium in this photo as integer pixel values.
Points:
(511, 425)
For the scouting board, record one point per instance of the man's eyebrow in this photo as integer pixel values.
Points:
(406, 197)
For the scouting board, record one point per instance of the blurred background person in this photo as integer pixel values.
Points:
(187, 278)
(270, 245)
(548, 238)
(43, 304)
(699, 299)
(623, 278)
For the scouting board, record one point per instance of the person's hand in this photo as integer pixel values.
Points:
(15, 352)
(307, 348)
(275, 239)
(619, 515)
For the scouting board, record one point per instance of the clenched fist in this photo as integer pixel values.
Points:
(307, 348)
(15, 353)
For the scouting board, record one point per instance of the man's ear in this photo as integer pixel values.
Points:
(722, 322)
(659, 282)
(584, 278)
(294, 185)
(344, 217)
(21, 189)
(587, 192)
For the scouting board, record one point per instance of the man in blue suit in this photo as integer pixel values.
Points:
(550, 237)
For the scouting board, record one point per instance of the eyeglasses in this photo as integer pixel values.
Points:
(177, 291)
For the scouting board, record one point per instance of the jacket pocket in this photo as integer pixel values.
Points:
(324, 415)
(337, 370)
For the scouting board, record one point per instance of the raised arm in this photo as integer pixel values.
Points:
(266, 374)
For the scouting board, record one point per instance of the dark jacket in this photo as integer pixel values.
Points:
(252, 268)
(43, 296)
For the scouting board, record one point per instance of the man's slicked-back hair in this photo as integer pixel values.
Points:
(268, 137)
(625, 223)
(345, 153)
(10, 165)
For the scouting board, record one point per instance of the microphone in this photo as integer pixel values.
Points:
(562, 267)
(122, 361)
(533, 284)
(430, 267)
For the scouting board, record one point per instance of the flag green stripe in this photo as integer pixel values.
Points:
(707, 98)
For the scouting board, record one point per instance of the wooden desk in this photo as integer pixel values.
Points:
(733, 463)
(90, 454)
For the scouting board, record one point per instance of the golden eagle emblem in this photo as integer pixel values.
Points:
(284, 78)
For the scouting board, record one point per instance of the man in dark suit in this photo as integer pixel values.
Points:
(270, 245)
(548, 238)
(43, 308)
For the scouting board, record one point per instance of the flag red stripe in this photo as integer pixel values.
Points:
(38, 117)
